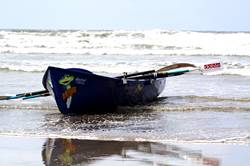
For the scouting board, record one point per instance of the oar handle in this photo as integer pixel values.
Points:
(31, 93)
(136, 74)
(35, 96)
(162, 75)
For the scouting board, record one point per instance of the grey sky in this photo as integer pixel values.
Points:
(220, 15)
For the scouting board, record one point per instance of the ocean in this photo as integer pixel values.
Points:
(194, 111)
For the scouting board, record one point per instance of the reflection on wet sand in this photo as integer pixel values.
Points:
(90, 152)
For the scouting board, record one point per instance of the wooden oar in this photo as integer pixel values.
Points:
(37, 95)
(32, 93)
(169, 73)
(162, 75)
(166, 68)
(21, 95)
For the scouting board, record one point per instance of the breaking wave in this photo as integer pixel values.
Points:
(115, 65)
(118, 51)
(116, 42)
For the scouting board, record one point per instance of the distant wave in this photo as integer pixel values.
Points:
(20, 105)
(118, 51)
(186, 108)
(245, 140)
(215, 99)
(105, 65)
(118, 42)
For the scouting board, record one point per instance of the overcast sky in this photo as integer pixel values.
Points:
(219, 15)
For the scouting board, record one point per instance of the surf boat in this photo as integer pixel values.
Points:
(79, 91)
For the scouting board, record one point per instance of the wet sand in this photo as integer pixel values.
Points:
(27, 151)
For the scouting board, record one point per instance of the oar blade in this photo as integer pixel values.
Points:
(5, 97)
(175, 66)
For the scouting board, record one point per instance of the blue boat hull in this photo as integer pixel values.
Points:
(78, 91)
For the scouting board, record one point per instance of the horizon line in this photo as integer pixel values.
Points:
(125, 29)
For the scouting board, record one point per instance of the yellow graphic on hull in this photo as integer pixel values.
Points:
(66, 80)
(69, 91)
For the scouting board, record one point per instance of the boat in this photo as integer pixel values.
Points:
(79, 91)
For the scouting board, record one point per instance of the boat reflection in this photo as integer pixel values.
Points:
(91, 152)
